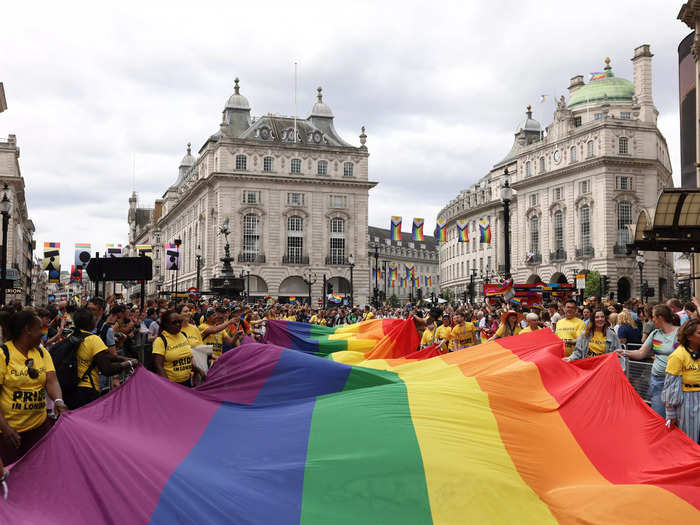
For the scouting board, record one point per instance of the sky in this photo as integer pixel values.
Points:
(103, 100)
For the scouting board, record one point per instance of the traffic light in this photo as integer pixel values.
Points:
(464, 296)
(606, 284)
(420, 294)
(329, 288)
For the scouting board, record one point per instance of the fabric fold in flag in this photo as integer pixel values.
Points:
(418, 229)
(396, 228)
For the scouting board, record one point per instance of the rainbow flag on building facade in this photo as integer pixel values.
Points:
(418, 229)
(440, 230)
(462, 231)
(332, 420)
(393, 273)
(596, 75)
(485, 228)
(428, 281)
(395, 228)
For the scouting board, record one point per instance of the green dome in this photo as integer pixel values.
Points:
(614, 87)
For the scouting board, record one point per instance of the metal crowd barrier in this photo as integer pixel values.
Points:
(638, 372)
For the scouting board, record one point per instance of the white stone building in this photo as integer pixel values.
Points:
(579, 186)
(295, 194)
(20, 233)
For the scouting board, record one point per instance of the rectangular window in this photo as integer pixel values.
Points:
(585, 187)
(625, 115)
(589, 145)
(348, 169)
(488, 263)
(585, 227)
(623, 183)
(296, 165)
(323, 167)
(598, 116)
(267, 163)
(339, 201)
(558, 193)
(533, 199)
(624, 218)
(252, 197)
(295, 199)
(241, 162)
(541, 164)
(577, 122)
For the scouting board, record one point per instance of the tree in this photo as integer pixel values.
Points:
(594, 284)
(393, 301)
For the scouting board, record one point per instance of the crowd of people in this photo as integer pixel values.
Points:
(66, 355)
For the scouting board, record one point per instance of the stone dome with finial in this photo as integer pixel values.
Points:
(188, 160)
(529, 124)
(237, 101)
(320, 108)
(604, 86)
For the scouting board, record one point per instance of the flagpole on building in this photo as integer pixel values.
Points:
(295, 102)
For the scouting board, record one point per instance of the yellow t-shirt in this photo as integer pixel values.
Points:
(314, 319)
(290, 318)
(570, 329)
(23, 399)
(597, 343)
(215, 340)
(427, 337)
(681, 363)
(367, 316)
(527, 329)
(194, 337)
(88, 349)
(177, 357)
(462, 336)
(502, 327)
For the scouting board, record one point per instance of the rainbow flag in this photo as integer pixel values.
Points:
(428, 281)
(335, 298)
(393, 273)
(596, 75)
(462, 231)
(395, 228)
(292, 298)
(418, 229)
(342, 418)
(440, 230)
(410, 270)
(485, 228)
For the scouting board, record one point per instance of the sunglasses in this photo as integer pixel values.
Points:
(33, 372)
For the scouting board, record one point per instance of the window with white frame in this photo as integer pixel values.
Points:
(598, 116)
(296, 165)
(585, 216)
(572, 154)
(252, 197)
(322, 167)
(268, 163)
(535, 234)
(625, 115)
(295, 239)
(295, 199)
(348, 169)
(541, 164)
(337, 241)
(623, 183)
(528, 169)
(623, 146)
(558, 193)
(589, 146)
(251, 235)
(241, 162)
(339, 201)
(577, 122)
(558, 230)
(584, 187)
(533, 199)
(624, 219)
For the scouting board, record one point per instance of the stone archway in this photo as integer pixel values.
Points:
(340, 285)
(533, 279)
(258, 286)
(293, 286)
(624, 289)
(558, 277)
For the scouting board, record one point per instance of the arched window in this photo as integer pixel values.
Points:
(348, 169)
(241, 162)
(528, 169)
(251, 237)
(589, 145)
(535, 234)
(558, 231)
(541, 164)
(624, 145)
(296, 165)
(573, 154)
(585, 216)
(323, 167)
(268, 164)
(337, 241)
(624, 218)
(295, 239)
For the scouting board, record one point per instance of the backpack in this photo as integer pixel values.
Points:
(165, 342)
(6, 351)
(65, 360)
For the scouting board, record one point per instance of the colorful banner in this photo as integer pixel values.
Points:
(440, 230)
(485, 228)
(418, 229)
(76, 275)
(172, 257)
(114, 250)
(393, 272)
(410, 270)
(54, 275)
(144, 250)
(462, 231)
(52, 256)
(395, 228)
(82, 255)
(337, 418)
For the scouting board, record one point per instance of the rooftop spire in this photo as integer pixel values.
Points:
(319, 97)
(236, 89)
(189, 148)
(607, 64)
(529, 111)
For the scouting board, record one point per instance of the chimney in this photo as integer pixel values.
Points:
(157, 210)
(642, 75)
(576, 83)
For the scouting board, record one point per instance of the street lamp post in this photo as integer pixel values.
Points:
(5, 206)
(506, 197)
(198, 256)
(351, 263)
(376, 275)
(246, 270)
(178, 242)
(309, 279)
(640, 263)
(471, 286)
